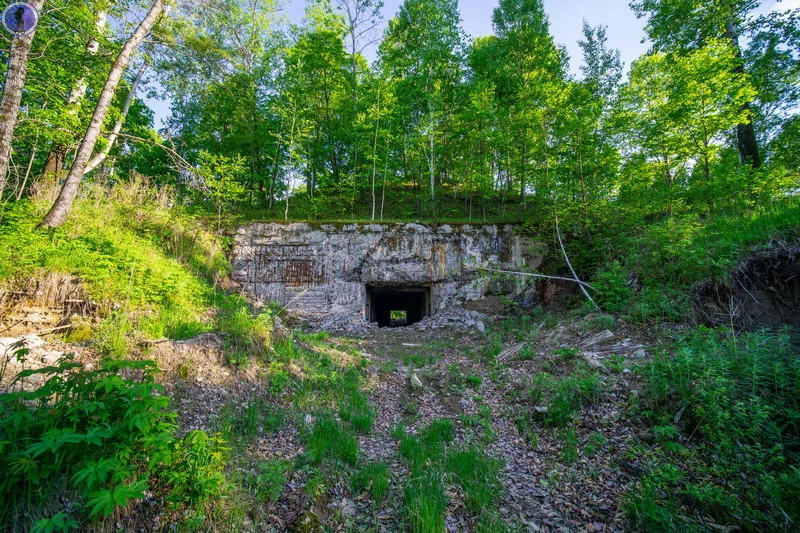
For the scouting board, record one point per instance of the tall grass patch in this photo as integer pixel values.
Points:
(742, 414)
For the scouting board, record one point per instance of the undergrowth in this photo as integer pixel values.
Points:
(734, 454)
(436, 464)
(152, 266)
(99, 440)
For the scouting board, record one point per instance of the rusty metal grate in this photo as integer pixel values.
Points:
(282, 265)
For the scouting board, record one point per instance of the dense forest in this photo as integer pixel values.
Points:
(670, 186)
(438, 126)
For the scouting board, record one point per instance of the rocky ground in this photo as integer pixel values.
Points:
(476, 373)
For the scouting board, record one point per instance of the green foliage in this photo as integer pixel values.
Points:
(434, 464)
(373, 477)
(742, 401)
(113, 336)
(196, 471)
(156, 265)
(425, 502)
(614, 292)
(247, 333)
(268, 483)
(477, 474)
(100, 436)
(562, 398)
(356, 409)
(327, 439)
(60, 522)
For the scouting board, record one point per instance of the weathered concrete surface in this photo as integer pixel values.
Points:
(323, 269)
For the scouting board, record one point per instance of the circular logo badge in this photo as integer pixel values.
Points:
(20, 18)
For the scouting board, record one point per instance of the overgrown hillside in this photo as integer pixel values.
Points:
(140, 390)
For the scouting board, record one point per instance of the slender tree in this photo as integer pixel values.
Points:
(60, 210)
(12, 94)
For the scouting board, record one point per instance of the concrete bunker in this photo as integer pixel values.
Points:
(389, 274)
(397, 306)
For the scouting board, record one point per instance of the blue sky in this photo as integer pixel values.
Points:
(625, 31)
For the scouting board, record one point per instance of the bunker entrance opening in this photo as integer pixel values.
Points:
(394, 307)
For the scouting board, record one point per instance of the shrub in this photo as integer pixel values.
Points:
(196, 473)
(612, 283)
(743, 401)
(270, 480)
(93, 433)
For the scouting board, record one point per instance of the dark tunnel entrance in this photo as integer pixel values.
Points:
(397, 306)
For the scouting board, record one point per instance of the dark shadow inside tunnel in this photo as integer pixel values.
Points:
(397, 306)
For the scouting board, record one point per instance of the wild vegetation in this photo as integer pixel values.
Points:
(658, 175)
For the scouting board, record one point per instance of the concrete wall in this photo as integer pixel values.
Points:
(323, 269)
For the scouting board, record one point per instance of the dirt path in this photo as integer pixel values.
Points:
(559, 427)
(542, 490)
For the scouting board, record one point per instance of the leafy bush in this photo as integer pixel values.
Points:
(743, 401)
(100, 437)
(269, 481)
(196, 471)
(104, 433)
(614, 292)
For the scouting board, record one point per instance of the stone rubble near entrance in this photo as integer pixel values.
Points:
(347, 324)
(454, 317)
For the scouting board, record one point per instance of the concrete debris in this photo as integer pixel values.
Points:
(38, 356)
(347, 324)
(453, 317)
(456, 317)
(592, 361)
(510, 353)
(601, 338)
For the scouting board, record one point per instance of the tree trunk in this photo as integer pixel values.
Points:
(375, 153)
(58, 213)
(746, 141)
(12, 94)
(99, 158)
(432, 166)
(55, 157)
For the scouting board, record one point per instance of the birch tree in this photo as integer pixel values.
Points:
(60, 210)
(12, 94)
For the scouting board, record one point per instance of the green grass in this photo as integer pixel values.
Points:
(329, 440)
(372, 478)
(425, 502)
(672, 253)
(153, 268)
(742, 418)
(563, 397)
(477, 474)
(268, 483)
(436, 464)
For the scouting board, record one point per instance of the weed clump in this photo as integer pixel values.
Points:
(740, 398)
(328, 439)
(434, 465)
(102, 438)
